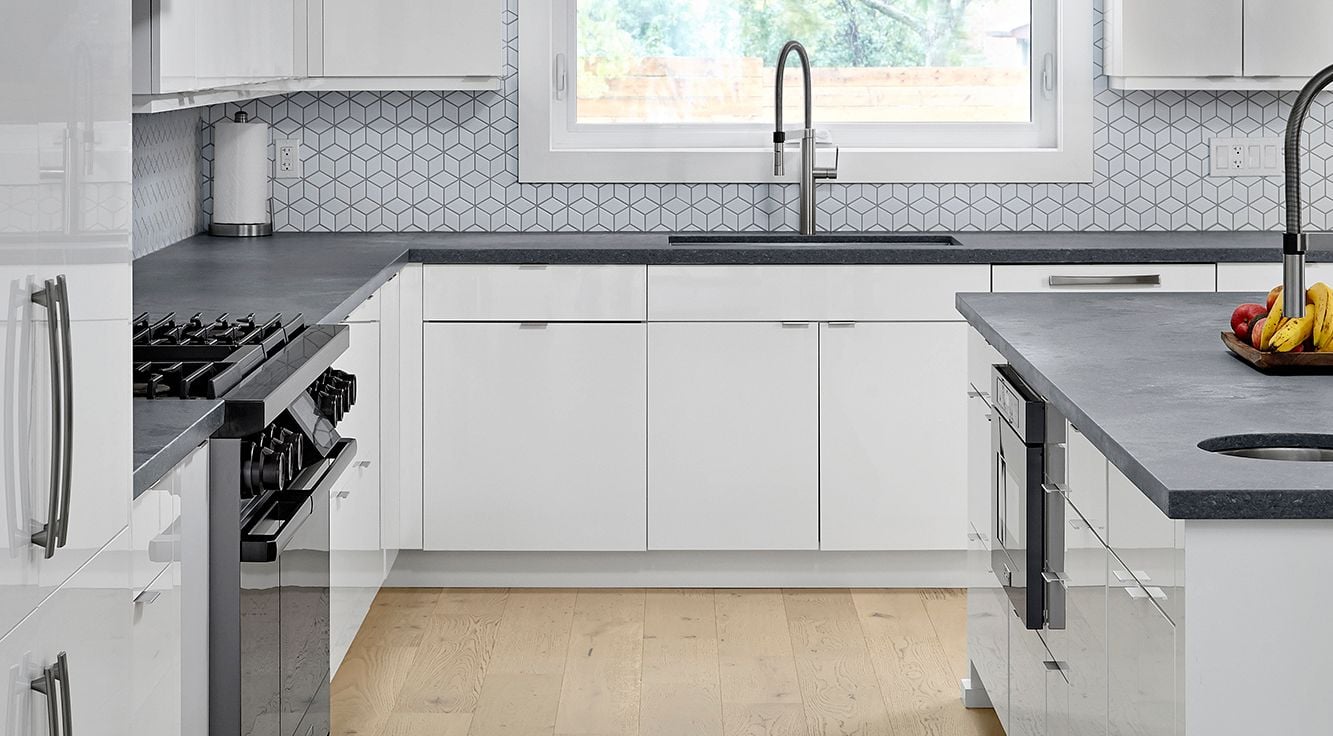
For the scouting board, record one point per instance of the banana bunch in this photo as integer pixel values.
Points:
(1287, 334)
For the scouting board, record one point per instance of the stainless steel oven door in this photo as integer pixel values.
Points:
(1017, 556)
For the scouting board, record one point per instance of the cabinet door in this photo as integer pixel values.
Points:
(1287, 38)
(1085, 473)
(534, 436)
(88, 618)
(1143, 540)
(1084, 635)
(391, 397)
(412, 38)
(892, 472)
(980, 488)
(355, 501)
(1027, 681)
(1181, 38)
(1141, 665)
(1262, 277)
(988, 616)
(733, 436)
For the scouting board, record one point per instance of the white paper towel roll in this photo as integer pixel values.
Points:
(240, 173)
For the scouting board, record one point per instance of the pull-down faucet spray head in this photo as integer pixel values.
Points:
(1294, 241)
(780, 135)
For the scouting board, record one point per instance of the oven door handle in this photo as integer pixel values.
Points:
(313, 487)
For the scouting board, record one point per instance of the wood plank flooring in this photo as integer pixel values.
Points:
(595, 662)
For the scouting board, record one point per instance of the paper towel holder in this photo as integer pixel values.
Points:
(241, 229)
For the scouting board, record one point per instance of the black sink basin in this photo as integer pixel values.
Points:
(796, 240)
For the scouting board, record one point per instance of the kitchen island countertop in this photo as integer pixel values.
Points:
(1145, 378)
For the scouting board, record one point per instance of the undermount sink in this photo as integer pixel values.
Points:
(1308, 448)
(797, 240)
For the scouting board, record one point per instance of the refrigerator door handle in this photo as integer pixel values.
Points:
(67, 435)
(46, 685)
(66, 707)
(48, 535)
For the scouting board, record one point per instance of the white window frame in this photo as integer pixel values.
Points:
(553, 149)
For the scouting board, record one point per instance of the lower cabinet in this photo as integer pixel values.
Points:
(535, 437)
(354, 516)
(1141, 693)
(1027, 681)
(733, 436)
(890, 411)
(988, 616)
(1082, 649)
(85, 624)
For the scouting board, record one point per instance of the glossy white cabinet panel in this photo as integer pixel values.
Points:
(893, 474)
(1172, 277)
(354, 504)
(189, 45)
(1027, 681)
(733, 436)
(1182, 38)
(1083, 641)
(411, 409)
(534, 437)
(390, 399)
(981, 358)
(1287, 38)
(155, 668)
(1141, 641)
(411, 38)
(366, 311)
(1143, 540)
(1086, 473)
(988, 616)
(1264, 276)
(774, 293)
(354, 580)
(534, 293)
(980, 485)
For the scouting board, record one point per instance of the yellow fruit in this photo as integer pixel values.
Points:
(1321, 295)
(1272, 324)
(1294, 331)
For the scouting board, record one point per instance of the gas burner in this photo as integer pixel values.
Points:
(203, 358)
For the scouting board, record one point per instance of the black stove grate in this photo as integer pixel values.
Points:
(203, 359)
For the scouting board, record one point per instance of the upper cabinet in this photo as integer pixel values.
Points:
(405, 44)
(192, 45)
(1216, 44)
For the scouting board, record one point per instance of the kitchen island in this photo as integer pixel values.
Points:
(1143, 380)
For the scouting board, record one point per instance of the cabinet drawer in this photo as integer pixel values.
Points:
(981, 357)
(1106, 278)
(1143, 541)
(1264, 276)
(155, 517)
(534, 293)
(156, 639)
(776, 293)
(1085, 471)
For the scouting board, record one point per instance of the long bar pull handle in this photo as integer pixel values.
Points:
(67, 436)
(46, 685)
(1149, 279)
(66, 707)
(47, 535)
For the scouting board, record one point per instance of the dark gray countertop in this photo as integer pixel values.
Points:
(166, 432)
(325, 275)
(1145, 378)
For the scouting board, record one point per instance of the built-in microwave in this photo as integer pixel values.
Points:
(1027, 473)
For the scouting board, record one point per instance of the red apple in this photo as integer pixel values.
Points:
(1257, 331)
(1273, 295)
(1243, 315)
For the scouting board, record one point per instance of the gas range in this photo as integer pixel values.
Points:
(272, 466)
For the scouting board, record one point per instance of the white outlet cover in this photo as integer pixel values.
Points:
(287, 155)
(1245, 157)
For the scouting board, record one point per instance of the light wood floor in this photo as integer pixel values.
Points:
(476, 662)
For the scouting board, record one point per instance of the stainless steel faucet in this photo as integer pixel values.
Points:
(809, 172)
(1294, 242)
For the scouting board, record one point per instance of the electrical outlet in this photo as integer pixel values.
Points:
(1245, 157)
(288, 164)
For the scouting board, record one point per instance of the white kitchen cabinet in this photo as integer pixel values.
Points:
(980, 507)
(88, 620)
(190, 45)
(988, 645)
(1027, 681)
(534, 436)
(406, 44)
(890, 411)
(168, 668)
(1181, 38)
(1262, 277)
(733, 436)
(1287, 38)
(1143, 540)
(354, 515)
(391, 400)
(1141, 641)
(1085, 474)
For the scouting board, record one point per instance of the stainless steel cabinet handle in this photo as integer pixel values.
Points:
(1053, 577)
(66, 707)
(974, 394)
(51, 534)
(532, 325)
(1050, 488)
(1055, 666)
(67, 435)
(362, 463)
(147, 597)
(342, 494)
(1126, 576)
(795, 324)
(1149, 279)
(46, 685)
(841, 324)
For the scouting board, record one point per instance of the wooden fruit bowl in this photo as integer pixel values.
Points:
(1278, 362)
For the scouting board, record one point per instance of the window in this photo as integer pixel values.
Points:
(909, 90)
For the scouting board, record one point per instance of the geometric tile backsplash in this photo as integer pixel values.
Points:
(447, 161)
(166, 179)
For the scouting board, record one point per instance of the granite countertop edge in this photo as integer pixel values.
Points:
(166, 432)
